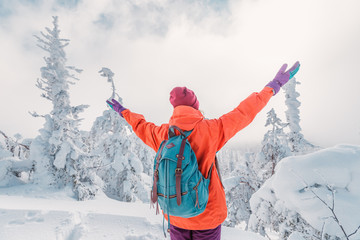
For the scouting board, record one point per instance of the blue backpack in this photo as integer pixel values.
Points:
(179, 187)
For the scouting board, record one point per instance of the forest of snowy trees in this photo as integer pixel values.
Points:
(111, 159)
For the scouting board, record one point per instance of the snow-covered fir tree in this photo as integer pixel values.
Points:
(126, 161)
(60, 161)
(274, 147)
(297, 143)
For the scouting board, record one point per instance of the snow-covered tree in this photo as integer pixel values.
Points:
(126, 161)
(60, 161)
(297, 143)
(274, 147)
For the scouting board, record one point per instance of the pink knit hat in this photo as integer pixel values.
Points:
(183, 96)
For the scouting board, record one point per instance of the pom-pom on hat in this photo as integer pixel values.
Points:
(183, 96)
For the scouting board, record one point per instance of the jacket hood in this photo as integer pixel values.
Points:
(185, 117)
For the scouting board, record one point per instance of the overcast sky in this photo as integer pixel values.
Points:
(223, 50)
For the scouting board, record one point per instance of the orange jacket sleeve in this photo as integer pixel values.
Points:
(148, 132)
(231, 123)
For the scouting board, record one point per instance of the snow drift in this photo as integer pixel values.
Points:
(323, 187)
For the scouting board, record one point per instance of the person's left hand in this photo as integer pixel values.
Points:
(116, 106)
(283, 77)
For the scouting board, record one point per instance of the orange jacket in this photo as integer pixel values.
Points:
(207, 137)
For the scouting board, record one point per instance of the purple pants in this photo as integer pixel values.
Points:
(184, 234)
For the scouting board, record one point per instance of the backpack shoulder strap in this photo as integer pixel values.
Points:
(178, 171)
(172, 133)
(172, 129)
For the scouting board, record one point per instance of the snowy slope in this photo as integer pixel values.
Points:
(28, 214)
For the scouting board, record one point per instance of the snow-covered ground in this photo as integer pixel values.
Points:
(34, 214)
(323, 187)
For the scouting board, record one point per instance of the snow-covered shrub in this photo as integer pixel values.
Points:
(15, 167)
(14, 171)
(17, 148)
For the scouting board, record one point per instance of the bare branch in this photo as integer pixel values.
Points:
(248, 184)
(5, 136)
(46, 96)
(354, 232)
(102, 166)
(322, 231)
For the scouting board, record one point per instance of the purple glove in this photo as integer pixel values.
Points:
(116, 106)
(283, 77)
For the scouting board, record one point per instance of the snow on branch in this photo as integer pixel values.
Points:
(73, 75)
(74, 69)
(11, 140)
(42, 42)
(78, 109)
(106, 72)
(35, 114)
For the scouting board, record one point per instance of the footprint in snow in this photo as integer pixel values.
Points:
(17, 222)
(30, 216)
(34, 216)
(142, 237)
